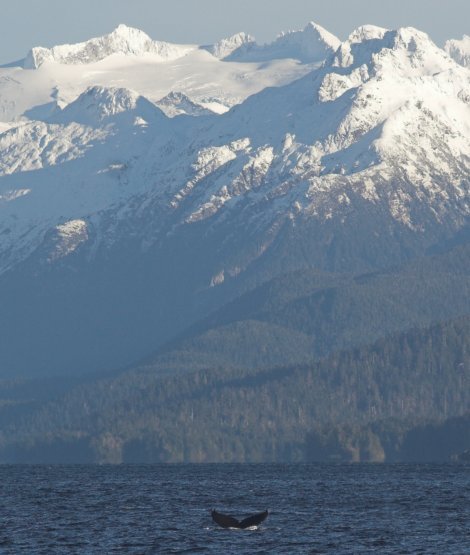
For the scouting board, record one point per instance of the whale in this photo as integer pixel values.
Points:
(227, 521)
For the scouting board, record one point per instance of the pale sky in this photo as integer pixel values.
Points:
(27, 23)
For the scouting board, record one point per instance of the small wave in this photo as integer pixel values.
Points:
(250, 528)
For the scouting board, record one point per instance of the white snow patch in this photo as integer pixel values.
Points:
(218, 279)
(8, 196)
(69, 236)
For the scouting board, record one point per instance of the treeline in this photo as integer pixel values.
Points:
(405, 397)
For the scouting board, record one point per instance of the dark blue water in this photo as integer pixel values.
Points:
(165, 509)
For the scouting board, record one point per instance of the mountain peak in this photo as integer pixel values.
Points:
(130, 37)
(411, 38)
(123, 40)
(405, 50)
(97, 105)
(226, 47)
(366, 32)
(321, 34)
(312, 44)
(125, 30)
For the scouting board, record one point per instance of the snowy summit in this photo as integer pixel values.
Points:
(312, 44)
(123, 40)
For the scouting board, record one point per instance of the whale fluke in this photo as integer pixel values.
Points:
(227, 521)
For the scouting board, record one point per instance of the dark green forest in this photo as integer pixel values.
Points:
(394, 400)
(308, 366)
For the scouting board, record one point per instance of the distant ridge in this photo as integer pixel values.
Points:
(311, 44)
(123, 40)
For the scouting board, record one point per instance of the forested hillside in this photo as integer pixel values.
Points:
(370, 403)
(307, 313)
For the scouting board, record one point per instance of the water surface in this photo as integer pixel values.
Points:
(166, 509)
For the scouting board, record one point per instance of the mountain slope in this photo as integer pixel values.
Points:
(337, 147)
(120, 226)
(320, 314)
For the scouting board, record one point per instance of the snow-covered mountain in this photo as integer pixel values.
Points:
(129, 58)
(240, 42)
(135, 224)
(311, 44)
(459, 50)
(123, 40)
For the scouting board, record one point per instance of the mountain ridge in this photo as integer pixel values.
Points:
(142, 224)
(312, 44)
(125, 40)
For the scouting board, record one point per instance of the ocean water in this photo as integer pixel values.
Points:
(314, 508)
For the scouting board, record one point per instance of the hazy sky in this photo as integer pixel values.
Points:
(27, 23)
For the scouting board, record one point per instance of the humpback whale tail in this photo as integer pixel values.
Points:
(227, 521)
